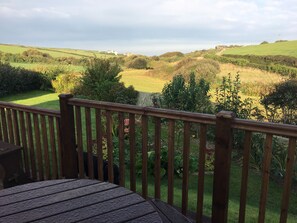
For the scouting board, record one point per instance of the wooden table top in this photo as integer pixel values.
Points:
(73, 200)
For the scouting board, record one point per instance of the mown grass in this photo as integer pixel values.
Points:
(42, 99)
(288, 48)
(50, 100)
(142, 81)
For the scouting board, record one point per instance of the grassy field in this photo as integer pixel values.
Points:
(288, 48)
(54, 52)
(50, 100)
(142, 81)
(36, 66)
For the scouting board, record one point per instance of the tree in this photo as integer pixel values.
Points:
(187, 96)
(101, 81)
(281, 103)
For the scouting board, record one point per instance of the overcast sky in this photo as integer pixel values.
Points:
(148, 27)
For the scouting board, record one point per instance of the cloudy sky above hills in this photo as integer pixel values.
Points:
(149, 27)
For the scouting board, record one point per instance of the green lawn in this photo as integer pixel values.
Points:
(288, 48)
(142, 81)
(42, 99)
(50, 100)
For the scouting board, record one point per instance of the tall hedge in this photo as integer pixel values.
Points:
(17, 80)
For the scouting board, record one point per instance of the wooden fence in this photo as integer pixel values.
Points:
(83, 125)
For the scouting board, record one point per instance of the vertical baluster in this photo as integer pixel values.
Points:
(24, 142)
(171, 138)
(288, 180)
(53, 147)
(144, 127)
(121, 149)
(1, 128)
(45, 147)
(99, 144)
(186, 154)
(10, 127)
(58, 124)
(265, 176)
(132, 152)
(157, 158)
(201, 171)
(38, 146)
(89, 143)
(16, 127)
(4, 125)
(245, 172)
(79, 142)
(31, 145)
(109, 145)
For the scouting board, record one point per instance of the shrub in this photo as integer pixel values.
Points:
(138, 63)
(188, 96)
(67, 83)
(16, 80)
(101, 82)
(264, 42)
(49, 74)
(281, 103)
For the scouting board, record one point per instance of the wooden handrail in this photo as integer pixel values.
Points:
(265, 127)
(30, 109)
(149, 111)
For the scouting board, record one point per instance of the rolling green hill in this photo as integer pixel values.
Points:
(54, 52)
(287, 48)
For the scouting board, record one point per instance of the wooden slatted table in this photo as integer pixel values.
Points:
(74, 200)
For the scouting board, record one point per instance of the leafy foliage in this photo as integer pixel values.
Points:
(281, 103)
(16, 80)
(187, 96)
(101, 82)
(228, 99)
(67, 83)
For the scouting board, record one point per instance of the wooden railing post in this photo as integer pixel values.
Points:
(67, 131)
(223, 148)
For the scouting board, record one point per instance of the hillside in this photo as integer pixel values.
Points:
(54, 52)
(287, 48)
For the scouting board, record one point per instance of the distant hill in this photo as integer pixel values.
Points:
(54, 52)
(285, 48)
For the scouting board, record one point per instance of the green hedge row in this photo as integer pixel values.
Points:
(16, 80)
(267, 60)
(284, 70)
(35, 56)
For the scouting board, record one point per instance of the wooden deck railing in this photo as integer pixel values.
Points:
(83, 125)
(38, 132)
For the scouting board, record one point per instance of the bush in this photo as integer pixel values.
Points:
(137, 63)
(49, 74)
(101, 82)
(17, 80)
(188, 96)
(67, 83)
(281, 103)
